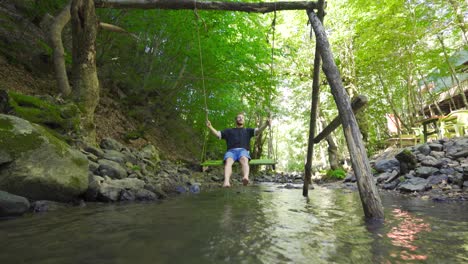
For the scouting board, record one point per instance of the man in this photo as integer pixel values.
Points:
(238, 146)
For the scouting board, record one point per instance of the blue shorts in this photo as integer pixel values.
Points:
(236, 154)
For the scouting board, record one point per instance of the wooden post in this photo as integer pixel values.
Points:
(313, 109)
(370, 198)
(356, 104)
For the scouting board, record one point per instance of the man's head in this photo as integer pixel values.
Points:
(240, 120)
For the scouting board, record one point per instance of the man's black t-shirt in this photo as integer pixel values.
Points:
(238, 137)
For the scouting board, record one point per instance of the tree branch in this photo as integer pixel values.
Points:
(207, 5)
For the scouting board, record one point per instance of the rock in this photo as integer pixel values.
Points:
(5, 157)
(180, 189)
(46, 206)
(350, 177)
(436, 146)
(98, 152)
(111, 144)
(194, 188)
(424, 171)
(145, 195)
(424, 149)
(407, 161)
(382, 177)
(437, 179)
(43, 167)
(413, 185)
(93, 166)
(12, 205)
(431, 162)
(461, 154)
(150, 152)
(112, 169)
(387, 165)
(127, 195)
(114, 156)
(390, 185)
(465, 185)
(437, 154)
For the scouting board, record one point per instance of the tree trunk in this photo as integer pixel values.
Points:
(55, 36)
(367, 190)
(460, 18)
(431, 95)
(84, 78)
(452, 70)
(313, 111)
(207, 5)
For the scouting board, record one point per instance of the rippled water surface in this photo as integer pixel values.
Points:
(257, 224)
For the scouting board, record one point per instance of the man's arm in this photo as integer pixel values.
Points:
(260, 129)
(213, 130)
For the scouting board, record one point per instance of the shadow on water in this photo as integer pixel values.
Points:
(257, 224)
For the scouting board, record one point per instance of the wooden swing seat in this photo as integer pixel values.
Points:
(252, 162)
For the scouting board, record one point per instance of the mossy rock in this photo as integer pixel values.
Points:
(40, 167)
(62, 118)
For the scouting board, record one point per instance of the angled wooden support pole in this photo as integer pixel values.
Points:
(356, 105)
(313, 109)
(370, 198)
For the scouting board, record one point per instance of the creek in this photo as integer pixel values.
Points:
(255, 224)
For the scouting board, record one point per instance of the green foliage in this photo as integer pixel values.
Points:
(338, 174)
(64, 118)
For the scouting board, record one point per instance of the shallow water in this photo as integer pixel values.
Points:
(257, 224)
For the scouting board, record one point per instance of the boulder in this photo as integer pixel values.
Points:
(11, 205)
(112, 169)
(42, 167)
(413, 185)
(387, 165)
(111, 144)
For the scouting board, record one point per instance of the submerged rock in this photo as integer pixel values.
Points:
(12, 205)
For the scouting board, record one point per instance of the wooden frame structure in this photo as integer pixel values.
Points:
(84, 34)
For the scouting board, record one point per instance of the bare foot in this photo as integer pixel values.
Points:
(245, 181)
(226, 185)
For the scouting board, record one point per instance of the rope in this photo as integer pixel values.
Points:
(201, 60)
(205, 141)
(270, 141)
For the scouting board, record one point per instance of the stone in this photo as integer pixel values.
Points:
(407, 161)
(114, 155)
(461, 154)
(437, 154)
(43, 167)
(436, 146)
(424, 171)
(437, 179)
(413, 185)
(12, 205)
(111, 144)
(387, 165)
(150, 152)
(5, 157)
(195, 188)
(112, 169)
(424, 149)
(46, 206)
(391, 185)
(431, 162)
(95, 151)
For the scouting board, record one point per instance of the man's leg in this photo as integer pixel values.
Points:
(228, 171)
(244, 161)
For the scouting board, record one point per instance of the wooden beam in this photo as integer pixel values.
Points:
(356, 105)
(313, 109)
(370, 198)
(207, 5)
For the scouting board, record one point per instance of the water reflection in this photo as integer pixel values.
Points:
(406, 233)
(258, 224)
